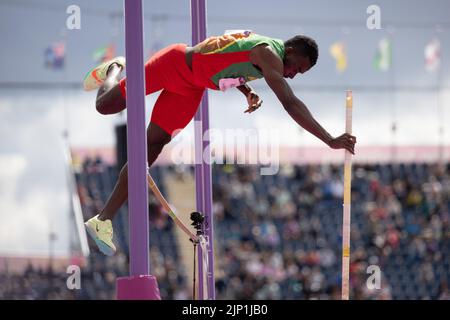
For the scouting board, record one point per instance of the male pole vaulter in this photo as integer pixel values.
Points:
(182, 74)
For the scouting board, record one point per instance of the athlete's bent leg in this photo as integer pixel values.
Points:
(109, 97)
(157, 138)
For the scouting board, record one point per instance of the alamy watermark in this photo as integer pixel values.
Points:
(73, 281)
(73, 21)
(374, 280)
(230, 146)
(374, 19)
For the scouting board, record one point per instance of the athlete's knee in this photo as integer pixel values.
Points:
(101, 107)
(157, 135)
(111, 101)
(155, 148)
(157, 138)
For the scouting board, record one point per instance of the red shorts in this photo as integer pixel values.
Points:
(178, 102)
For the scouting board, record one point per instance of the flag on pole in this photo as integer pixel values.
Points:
(432, 55)
(54, 55)
(383, 55)
(339, 52)
(104, 53)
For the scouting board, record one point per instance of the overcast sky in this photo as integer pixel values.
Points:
(33, 195)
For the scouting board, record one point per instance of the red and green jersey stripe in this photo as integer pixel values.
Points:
(227, 56)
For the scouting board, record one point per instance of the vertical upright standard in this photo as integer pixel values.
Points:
(139, 285)
(347, 203)
(202, 160)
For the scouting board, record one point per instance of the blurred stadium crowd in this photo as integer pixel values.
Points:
(280, 235)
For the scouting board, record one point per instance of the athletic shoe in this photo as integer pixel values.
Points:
(102, 233)
(96, 76)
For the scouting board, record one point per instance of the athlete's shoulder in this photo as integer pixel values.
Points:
(265, 58)
(263, 50)
(266, 44)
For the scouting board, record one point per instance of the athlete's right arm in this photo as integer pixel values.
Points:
(272, 68)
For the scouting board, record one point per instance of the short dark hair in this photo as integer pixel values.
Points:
(305, 46)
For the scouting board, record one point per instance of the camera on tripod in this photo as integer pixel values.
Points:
(197, 221)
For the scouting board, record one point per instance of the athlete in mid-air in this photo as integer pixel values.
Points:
(182, 74)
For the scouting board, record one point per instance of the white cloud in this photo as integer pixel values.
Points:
(34, 193)
(24, 224)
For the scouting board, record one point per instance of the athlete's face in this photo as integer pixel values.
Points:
(294, 63)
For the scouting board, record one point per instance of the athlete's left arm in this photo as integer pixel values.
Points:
(272, 67)
(254, 102)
